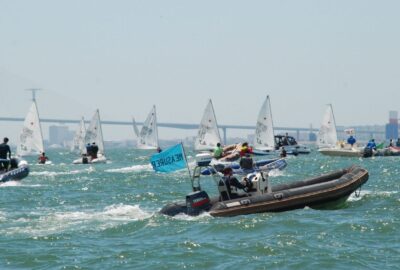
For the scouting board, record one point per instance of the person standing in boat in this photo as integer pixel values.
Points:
(4, 150)
(351, 140)
(43, 158)
(95, 150)
(218, 151)
(398, 142)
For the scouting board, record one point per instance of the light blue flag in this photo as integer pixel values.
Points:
(169, 160)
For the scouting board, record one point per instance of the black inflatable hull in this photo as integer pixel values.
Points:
(317, 192)
(15, 174)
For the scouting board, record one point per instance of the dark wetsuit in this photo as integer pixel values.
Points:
(4, 150)
(95, 149)
(246, 163)
(230, 182)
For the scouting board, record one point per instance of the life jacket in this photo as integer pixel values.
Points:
(42, 159)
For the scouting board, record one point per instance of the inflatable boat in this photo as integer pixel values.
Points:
(17, 171)
(261, 165)
(327, 191)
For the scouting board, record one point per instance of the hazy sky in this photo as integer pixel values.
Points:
(124, 56)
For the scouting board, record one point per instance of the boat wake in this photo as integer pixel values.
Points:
(52, 174)
(135, 168)
(58, 222)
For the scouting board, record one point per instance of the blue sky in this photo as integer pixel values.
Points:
(124, 56)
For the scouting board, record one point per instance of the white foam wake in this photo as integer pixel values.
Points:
(135, 168)
(52, 174)
(59, 222)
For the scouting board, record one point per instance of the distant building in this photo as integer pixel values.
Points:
(60, 135)
(392, 128)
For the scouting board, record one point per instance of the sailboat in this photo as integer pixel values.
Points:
(328, 143)
(265, 142)
(264, 139)
(78, 143)
(94, 134)
(208, 134)
(147, 138)
(31, 138)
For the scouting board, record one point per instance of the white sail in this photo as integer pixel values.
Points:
(264, 135)
(327, 135)
(135, 128)
(79, 138)
(31, 138)
(208, 134)
(148, 136)
(94, 133)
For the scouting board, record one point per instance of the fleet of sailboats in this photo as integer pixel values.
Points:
(31, 138)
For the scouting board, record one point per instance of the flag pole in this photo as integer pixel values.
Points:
(187, 164)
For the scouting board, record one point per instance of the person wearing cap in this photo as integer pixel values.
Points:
(232, 183)
(4, 150)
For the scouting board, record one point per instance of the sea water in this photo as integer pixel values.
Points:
(105, 216)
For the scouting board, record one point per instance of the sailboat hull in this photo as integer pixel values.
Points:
(336, 152)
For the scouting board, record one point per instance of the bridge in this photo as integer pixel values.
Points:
(188, 126)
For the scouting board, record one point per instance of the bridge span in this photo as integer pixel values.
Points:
(184, 126)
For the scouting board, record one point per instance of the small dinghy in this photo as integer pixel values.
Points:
(327, 191)
(17, 170)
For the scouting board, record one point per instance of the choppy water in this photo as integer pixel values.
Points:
(104, 216)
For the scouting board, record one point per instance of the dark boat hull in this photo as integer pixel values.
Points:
(329, 188)
(15, 174)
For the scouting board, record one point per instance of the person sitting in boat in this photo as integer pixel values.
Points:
(218, 151)
(159, 150)
(283, 152)
(95, 150)
(371, 145)
(232, 184)
(245, 149)
(43, 158)
(351, 140)
(85, 159)
(89, 150)
(4, 150)
(247, 163)
(391, 143)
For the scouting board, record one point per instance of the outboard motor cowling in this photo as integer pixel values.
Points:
(197, 202)
(203, 159)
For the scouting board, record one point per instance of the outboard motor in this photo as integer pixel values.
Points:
(367, 152)
(203, 159)
(197, 202)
